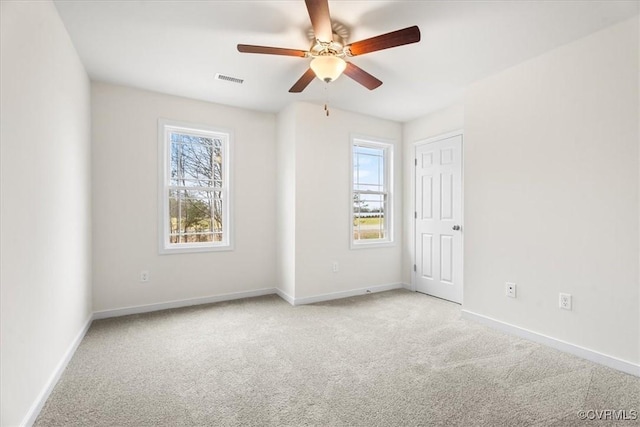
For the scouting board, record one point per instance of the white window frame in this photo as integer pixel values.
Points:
(387, 146)
(165, 127)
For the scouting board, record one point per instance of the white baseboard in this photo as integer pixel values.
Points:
(346, 294)
(181, 303)
(37, 405)
(585, 353)
(288, 298)
(408, 287)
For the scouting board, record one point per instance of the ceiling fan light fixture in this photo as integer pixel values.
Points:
(328, 67)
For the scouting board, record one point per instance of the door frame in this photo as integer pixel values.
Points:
(416, 144)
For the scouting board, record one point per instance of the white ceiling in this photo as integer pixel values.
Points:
(177, 47)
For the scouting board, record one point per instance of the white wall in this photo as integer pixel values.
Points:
(552, 193)
(46, 230)
(323, 203)
(125, 213)
(286, 201)
(438, 123)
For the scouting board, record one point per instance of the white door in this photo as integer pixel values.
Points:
(438, 218)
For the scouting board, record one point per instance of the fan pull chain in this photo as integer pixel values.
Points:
(326, 99)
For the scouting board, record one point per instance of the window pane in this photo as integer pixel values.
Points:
(369, 216)
(195, 161)
(368, 168)
(195, 216)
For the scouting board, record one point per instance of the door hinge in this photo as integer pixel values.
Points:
(415, 215)
(416, 162)
(414, 267)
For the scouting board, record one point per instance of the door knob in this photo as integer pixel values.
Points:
(456, 227)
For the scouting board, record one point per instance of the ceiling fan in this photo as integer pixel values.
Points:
(328, 50)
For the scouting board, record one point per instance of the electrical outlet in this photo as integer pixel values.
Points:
(335, 267)
(144, 276)
(510, 289)
(565, 301)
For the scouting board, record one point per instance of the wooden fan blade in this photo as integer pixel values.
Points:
(361, 76)
(385, 41)
(320, 19)
(248, 48)
(303, 81)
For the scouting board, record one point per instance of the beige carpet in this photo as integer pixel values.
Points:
(388, 359)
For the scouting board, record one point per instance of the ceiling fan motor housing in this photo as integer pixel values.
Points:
(334, 48)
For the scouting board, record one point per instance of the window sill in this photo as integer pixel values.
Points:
(187, 249)
(372, 245)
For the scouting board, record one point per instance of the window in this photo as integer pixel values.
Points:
(194, 190)
(371, 193)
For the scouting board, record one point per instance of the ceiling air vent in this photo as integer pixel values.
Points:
(228, 78)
